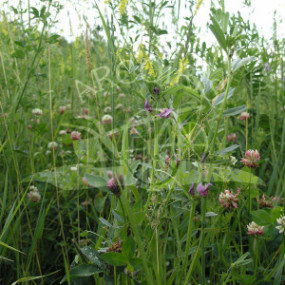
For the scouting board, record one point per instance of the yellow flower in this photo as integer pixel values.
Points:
(148, 66)
(122, 6)
(182, 67)
(198, 6)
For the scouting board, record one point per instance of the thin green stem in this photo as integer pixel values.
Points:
(188, 239)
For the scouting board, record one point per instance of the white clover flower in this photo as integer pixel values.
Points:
(73, 168)
(37, 112)
(281, 227)
(34, 194)
(233, 160)
(254, 229)
(62, 132)
(52, 145)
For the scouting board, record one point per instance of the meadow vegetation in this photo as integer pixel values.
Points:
(130, 158)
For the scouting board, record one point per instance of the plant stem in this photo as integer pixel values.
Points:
(188, 240)
(134, 227)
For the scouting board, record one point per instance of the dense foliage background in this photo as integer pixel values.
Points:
(115, 148)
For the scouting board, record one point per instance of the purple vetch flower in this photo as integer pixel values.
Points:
(191, 190)
(156, 90)
(147, 107)
(203, 157)
(203, 190)
(267, 67)
(166, 113)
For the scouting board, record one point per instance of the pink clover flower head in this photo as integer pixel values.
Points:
(251, 158)
(265, 202)
(228, 199)
(75, 136)
(166, 113)
(115, 184)
(203, 190)
(134, 131)
(107, 119)
(254, 229)
(34, 194)
(244, 115)
(232, 137)
(110, 134)
(147, 107)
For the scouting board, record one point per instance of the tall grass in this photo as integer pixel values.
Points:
(148, 228)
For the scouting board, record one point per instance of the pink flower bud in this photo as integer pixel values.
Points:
(61, 109)
(244, 116)
(75, 136)
(232, 137)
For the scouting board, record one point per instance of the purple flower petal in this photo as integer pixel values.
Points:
(203, 157)
(156, 90)
(147, 107)
(203, 190)
(166, 113)
(191, 190)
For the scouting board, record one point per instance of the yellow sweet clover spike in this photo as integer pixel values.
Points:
(198, 6)
(182, 67)
(148, 67)
(141, 53)
(122, 6)
(143, 57)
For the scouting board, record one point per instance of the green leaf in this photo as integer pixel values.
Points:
(220, 98)
(18, 54)
(53, 39)
(93, 256)
(95, 180)
(129, 247)
(237, 63)
(216, 30)
(106, 223)
(82, 270)
(35, 12)
(10, 247)
(30, 278)
(242, 260)
(227, 149)
(276, 213)
(234, 111)
(261, 217)
(115, 258)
